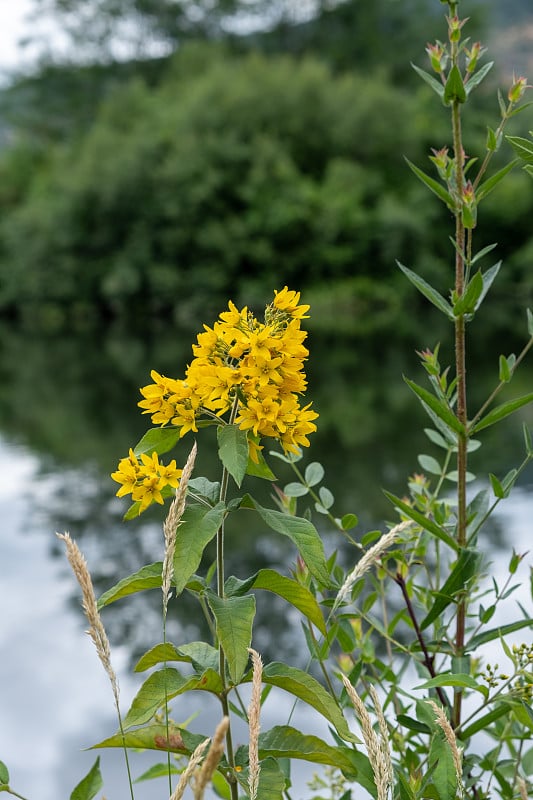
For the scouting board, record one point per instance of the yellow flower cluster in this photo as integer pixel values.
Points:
(145, 479)
(253, 368)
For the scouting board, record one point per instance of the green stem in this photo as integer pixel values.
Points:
(220, 592)
(460, 371)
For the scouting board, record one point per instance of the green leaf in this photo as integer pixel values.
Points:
(158, 654)
(522, 147)
(505, 371)
(488, 280)
(497, 488)
(502, 411)
(162, 686)
(468, 302)
(493, 141)
(487, 186)
(477, 77)
(148, 577)
(483, 252)
(434, 186)
(497, 633)
(314, 473)
(295, 490)
(529, 322)
(423, 521)
(429, 464)
(154, 737)
(349, 521)
(465, 568)
(201, 487)
(157, 440)
(443, 411)
(234, 618)
(157, 771)
(301, 532)
(306, 688)
(483, 722)
(272, 780)
(200, 654)
(284, 741)
(290, 590)
(233, 451)
(4, 774)
(198, 527)
(454, 679)
(444, 775)
(88, 787)
(455, 88)
(413, 724)
(430, 80)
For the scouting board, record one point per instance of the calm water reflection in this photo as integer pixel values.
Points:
(67, 413)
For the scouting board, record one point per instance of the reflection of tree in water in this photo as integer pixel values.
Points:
(115, 549)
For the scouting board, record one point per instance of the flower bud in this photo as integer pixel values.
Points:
(518, 88)
(438, 56)
(473, 55)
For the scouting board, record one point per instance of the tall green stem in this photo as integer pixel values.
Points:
(460, 370)
(220, 592)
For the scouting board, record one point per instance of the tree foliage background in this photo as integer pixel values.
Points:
(148, 190)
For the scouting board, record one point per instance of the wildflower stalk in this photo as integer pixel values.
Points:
(220, 592)
(170, 531)
(460, 347)
(96, 631)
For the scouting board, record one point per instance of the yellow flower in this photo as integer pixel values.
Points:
(287, 301)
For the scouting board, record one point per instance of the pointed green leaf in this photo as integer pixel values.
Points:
(430, 80)
(272, 780)
(158, 771)
(497, 633)
(162, 686)
(148, 577)
(444, 774)
(413, 724)
(506, 365)
(233, 451)
(284, 741)
(301, 532)
(300, 684)
(468, 302)
(436, 187)
(522, 147)
(487, 186)
(201, 487)
(89, 786)
(488, 280)
(200, 654)
(477, 77)
(4, 774)
(427, 290)
(482, 253)
(290, 590)
(157, 440)
(453, 679)
(234, 618)
(483, 722)
(159, 654)
(442, 411)
(454, 89)
(465, 568)
(198, 527)
(424, 522)
(502, 411)
(529, 321)
(154, 737)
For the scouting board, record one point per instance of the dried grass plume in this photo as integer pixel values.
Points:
(254, 711)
